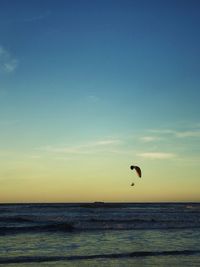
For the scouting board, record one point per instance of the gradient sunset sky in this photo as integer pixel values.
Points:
(89, 87)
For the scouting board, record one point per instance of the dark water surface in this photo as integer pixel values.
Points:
(100, 234)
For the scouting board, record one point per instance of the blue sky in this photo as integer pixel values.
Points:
(98, 80)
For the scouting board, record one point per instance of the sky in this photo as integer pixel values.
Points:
(88, 88)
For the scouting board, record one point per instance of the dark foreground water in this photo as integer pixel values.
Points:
(98, 234)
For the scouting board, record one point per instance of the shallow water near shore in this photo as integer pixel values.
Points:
(121, 234)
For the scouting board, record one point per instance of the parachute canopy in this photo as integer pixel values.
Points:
(137, 169)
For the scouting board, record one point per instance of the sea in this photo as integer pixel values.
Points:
(100, 234)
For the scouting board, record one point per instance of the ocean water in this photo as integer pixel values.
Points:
(100, 234)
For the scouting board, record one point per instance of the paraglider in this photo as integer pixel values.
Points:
(138, 171)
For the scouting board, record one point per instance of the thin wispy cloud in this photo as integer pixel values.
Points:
(105, 142)
(148, 139)
(157, 155)
(7, 62)
(188, 134)
(88, 148)
(164, 131)
(174, 133)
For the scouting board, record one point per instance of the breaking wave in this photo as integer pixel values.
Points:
(37, 259)
(25, 218)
